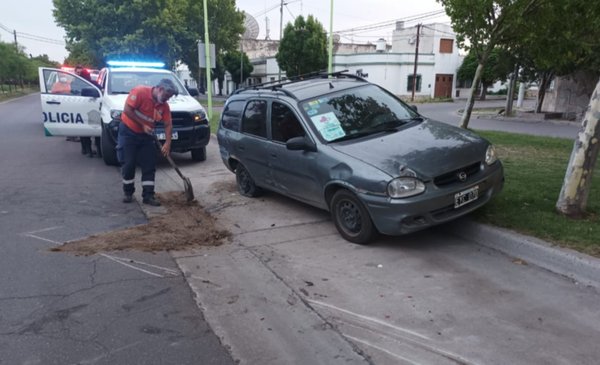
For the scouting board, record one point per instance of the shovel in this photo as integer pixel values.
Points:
(189, 191)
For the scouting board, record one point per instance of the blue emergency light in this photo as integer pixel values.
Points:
(135, 64)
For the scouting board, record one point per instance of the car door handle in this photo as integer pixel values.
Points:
(274, 155)
(241, 148)
(53, 102)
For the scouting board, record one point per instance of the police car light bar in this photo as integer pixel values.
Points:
(135, 64)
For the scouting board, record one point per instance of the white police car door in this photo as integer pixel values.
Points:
(70, 104)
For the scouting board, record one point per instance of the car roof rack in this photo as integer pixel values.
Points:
(277, 85)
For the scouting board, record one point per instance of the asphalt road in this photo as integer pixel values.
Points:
(448, 113)
(55, 308)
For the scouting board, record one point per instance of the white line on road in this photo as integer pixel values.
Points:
(32, 234)
(165, 269)
(370, 319)
(382, 350)
(130, 266)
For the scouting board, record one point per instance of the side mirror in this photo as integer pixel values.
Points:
(193, 91)
(300, 144)
(414, 107)
(90, 92)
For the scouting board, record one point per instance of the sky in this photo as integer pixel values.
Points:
(37, 31)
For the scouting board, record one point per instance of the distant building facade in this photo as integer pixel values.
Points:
(391, 66)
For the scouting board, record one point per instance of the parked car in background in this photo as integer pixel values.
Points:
(343, 144)
(84, 110)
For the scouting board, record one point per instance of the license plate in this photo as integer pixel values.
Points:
(466, 196)
(162, 136)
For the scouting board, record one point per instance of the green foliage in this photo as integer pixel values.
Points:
(232, 61)
(166, 30)
(303, 48)
(16, 68)
(497, 68)
(534, 168)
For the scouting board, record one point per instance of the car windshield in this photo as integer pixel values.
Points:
(121, 82)
(357, 112)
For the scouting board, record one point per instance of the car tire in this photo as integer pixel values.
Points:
(245, 182)
(351, 218)
(107, 144)
(199, 154)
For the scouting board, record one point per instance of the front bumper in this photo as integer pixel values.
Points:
(188, 137)
(435, 206)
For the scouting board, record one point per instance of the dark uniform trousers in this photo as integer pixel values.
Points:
(136, 149)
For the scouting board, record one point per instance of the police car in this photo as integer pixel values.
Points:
(72, 106)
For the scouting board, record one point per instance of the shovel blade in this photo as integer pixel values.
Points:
(189, 191)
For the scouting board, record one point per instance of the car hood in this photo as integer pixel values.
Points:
(429, 148)
(179, 103)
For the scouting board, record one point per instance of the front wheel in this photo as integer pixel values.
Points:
(108, 146)
(245, 182)
(351, 218)
(199, 154)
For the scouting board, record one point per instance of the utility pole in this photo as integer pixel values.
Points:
(16, 44)
(414, 85)
(280, 32)
(208, 63)
(330, 45)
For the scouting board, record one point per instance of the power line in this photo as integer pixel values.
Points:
(32, 37)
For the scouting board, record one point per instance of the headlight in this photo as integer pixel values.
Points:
(404, 187)
(116, 114)
(199, 116)
(490, 155)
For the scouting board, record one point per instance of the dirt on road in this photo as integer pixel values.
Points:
(185, 225)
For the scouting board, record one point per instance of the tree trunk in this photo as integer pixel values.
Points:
(464, 121)
(483, 93)
(510, 95)
(544, 83)
(575, 191)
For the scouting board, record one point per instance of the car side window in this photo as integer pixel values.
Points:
(58, 82)
(254, 120)
(284, 124)
(232, 115)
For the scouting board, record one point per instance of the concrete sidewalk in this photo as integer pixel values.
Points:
(289, 289)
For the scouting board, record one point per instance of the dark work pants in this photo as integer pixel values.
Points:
(136, 149)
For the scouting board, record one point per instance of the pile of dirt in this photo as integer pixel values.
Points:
(186, 225)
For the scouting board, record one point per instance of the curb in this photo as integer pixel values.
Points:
(581, 268)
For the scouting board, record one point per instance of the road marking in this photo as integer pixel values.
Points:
(382, 350)
(125, 262)
(369, 319)
(32, 234)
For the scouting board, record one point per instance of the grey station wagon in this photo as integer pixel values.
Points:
(338, 142)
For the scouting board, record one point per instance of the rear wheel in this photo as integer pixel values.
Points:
(245, 183)
(351, 218)
(109, 153)
(199, 154)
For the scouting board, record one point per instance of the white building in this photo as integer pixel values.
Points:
(390, 66)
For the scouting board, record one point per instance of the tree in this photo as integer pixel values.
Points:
(155, 29)
(572, 47)
(486, 24)
(225, 23)
(497, 68)
(232, 63)
(574, 193)
(303, 48)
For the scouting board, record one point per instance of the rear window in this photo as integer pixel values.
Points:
(232, 115)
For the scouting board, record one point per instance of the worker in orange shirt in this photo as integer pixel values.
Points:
(61, 86)
(144, 107)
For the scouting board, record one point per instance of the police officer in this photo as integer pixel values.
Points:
(86, 142)
(144, 107)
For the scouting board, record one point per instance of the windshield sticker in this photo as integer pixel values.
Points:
(312, 112)
(329, 126)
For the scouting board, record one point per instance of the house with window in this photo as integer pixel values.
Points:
(391, 66)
